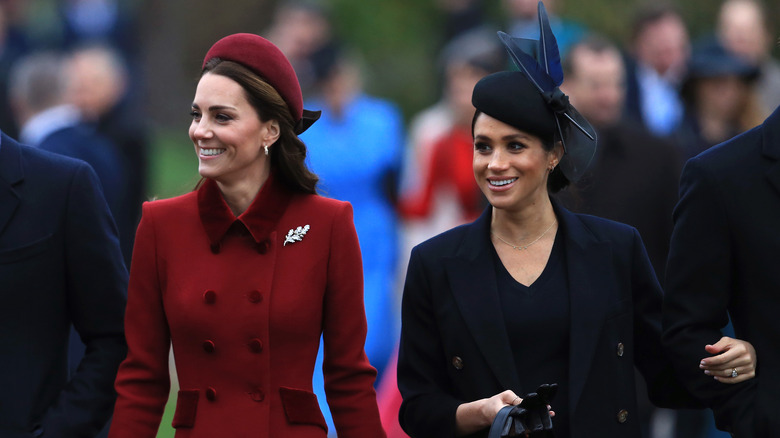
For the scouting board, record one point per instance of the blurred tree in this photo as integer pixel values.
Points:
(398, 40)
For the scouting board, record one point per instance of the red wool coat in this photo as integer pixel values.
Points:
(244, 312)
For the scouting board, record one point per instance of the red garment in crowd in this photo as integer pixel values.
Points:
(450, 169)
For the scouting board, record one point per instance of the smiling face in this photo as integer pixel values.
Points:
(227, 132)
(511, 166)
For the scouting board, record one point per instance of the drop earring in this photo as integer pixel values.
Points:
(266, 149)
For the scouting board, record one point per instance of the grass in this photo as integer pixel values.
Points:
(173, 166)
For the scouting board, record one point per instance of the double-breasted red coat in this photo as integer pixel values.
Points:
(244, 302)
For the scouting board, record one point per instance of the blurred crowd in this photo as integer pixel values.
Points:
(655, 101)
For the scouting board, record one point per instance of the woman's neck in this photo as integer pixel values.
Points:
(520, 225)
(240, 193)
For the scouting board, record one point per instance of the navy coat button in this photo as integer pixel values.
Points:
(209, 296)
(255, 296)
(622, 416)
(256, 345)
(457, 362)
(620, 349)
(211, 394)
(208, 346)
(257, 395)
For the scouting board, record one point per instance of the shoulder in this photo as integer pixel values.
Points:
(598, 228)
(378, 104)
(318, 202)
(50, 166)
(731, 156)
(446, 243)
(186, 203)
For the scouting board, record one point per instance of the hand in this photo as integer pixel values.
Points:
(492, 405)
(730, 354)
(479, 414)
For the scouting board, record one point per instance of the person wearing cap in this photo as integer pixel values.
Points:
(719, 99)
(243, 275)
(530, 293)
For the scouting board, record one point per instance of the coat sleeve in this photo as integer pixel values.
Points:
(427, 410)
(663, 386)
(96, 285)
(698, 292)
(143, 381)
(349, 378)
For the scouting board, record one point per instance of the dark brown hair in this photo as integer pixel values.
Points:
(288, 154)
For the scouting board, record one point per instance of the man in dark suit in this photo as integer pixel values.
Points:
(60, 265)
(633, 177)
(723, 264)
(38, 86)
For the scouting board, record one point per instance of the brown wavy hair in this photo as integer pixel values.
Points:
(288, 154)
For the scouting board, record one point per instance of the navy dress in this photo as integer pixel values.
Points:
(537, 323)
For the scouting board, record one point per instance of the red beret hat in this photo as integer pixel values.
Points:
(265, 59)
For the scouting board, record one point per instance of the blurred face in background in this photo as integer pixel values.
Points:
(721, 97)
(526, 9)
(596, 85)
(95, 85)
(461, 79)
(299, 31)
(742, 30)
(663, 45)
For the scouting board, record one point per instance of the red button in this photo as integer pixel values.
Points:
(208, 346)
(211, 394)
(209, 296)
(262, 247)
(256, 345)
(257, 395)
(255, 296)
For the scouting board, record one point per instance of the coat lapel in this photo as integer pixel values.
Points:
(771, 147)
(11, 174)
(588, 275)
(478, 300)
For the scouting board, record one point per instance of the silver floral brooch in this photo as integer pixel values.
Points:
(296, 235)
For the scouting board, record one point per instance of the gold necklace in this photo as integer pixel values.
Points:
(521, 248)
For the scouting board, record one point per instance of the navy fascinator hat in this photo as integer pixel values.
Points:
(530, 99)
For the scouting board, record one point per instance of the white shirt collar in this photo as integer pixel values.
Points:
(48, 121)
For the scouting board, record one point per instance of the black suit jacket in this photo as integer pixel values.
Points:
(60, 264)
(455, 348)
(724, 262)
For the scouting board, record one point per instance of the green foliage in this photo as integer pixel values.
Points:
(399, 39)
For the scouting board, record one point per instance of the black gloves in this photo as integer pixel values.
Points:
(530, 418)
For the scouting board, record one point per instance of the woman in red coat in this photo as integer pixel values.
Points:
(244, 274)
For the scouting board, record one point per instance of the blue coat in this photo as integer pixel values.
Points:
(455, 348)
(60, 264)
(724, 263)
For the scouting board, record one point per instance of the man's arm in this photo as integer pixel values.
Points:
(96, 288)
(698, 281)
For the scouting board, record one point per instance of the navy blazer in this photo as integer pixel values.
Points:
(724, 262)
(455, 348)
(60, 264)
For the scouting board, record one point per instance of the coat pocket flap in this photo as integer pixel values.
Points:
(301, 407)
(186, 408)
(11, 255)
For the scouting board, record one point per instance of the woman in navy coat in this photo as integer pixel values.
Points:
(532, 294)
(245, 274)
